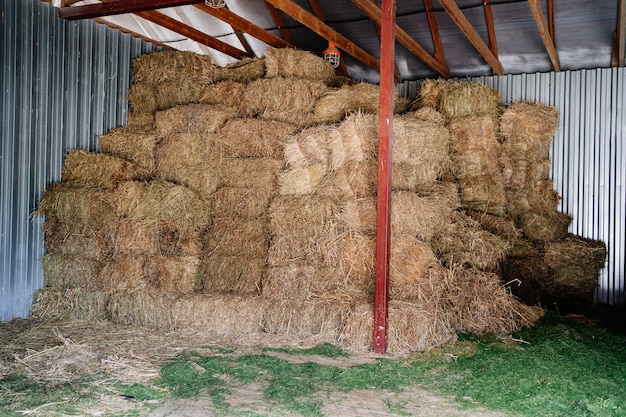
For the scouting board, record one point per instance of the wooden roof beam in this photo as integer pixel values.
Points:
(110, 8)
(307, 19)
(404, 38)
(192, 33)
(240, 24)
(132, 33)
(490, 28)
(545, 33)
(466, 27)
(319, 13)
(621, 34)
(280, 23)
(434, 31)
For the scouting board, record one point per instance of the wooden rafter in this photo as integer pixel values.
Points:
(110, 8)
(466, 27)
(130, 32)
(404, 38)
(192, 33)
(307, 19)
(490, 28)
(621, 34)
(434, 31)
(240, 24)
(545, 33)
(279, 22)
(319, 13)
(551, 18)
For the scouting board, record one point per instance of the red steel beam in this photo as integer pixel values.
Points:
(383, 204)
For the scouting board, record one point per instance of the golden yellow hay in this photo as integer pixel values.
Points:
(542, 196)
(307, 215)
(231, 236)
(64, 239)
(172, 65)
(358, 253)
(323, 251)
(502, 226)
(301, 180)
(304, 282)
(71, 303)
(88, 210)
(429, 92)
(323, 319)
(359, 140)
(132, 143)
(258, 173)
(146, 308)
(289, 100)
(543, 226)
(138, 118)
(193, 118)
(419, 143)
(179, 241)
(173, 273)
(130, 237)
(246, 138)
(335, 105)
(142, 98)
(243, 71)
(353, 180)
(225, 92)
(484, 194)
(191, 159)
(89, 169)
(161, 201)
(124, 273)
(412, 327)
(475, 148)
(530, 122)
(428, 114)
(462, 99)
(479, 304)
(238, 275)
(310, 146)
(62, 272)
(177, 93)
(242, 203)
(289, 62)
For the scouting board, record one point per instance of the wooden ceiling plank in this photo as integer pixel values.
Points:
(307, 19)
(240, 24)
(493, 45)
(434, 31)
(110, 8)
(280, 23)
(192, 33)
(545, 33)
(404, 38)
(470, 32)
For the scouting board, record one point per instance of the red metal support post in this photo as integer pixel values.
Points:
(383, 205)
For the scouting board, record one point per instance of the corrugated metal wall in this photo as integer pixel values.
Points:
(588, 155)
(62, 85)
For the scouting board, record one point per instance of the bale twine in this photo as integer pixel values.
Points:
(255, 173)
(70, 304)
(193, 118)
(62, 272)
(89, 169)
(132, 143)
(289, 62)
(463, 99)
(249, 138)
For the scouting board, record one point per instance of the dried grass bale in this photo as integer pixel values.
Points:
(146, 308)
(132, 143)
(238, 275)
(479, 304)
(66, 240)
(463, 99)
(323, 251)
(257, 173)
(466, 243)
(193, 118)
(173, 273)
(242, 203)
(534, 123)
(412, 328)
(142, 98)
(231, 236)
(474, 147)
(575, 263)
(172, 65)
(545, 226)
(523, 277)
(90, 169)
(304, 282)
(502, 226)
(308, 215)
(322, 319)
(428, 114)
(248, 138)
(130, 237)
(71, 303)
(177, 93)
(139, 118)
(176, 241)
(416, 142)
(358, 253)
(301, 180)
(289, 62)
(310, 146)
(123, 273)
(483, 194)
(352, 181)
(160, 201)
(429, 92)
(359, 140)
(190, 159)
(224, 92)
(335, 105)
(542, 196)
(243, 71)
(289, 100)
(62, 272)
(86, 210)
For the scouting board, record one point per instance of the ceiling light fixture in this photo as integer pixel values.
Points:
(216, 4)
(332, 55)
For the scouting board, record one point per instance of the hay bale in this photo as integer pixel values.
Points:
(249, 138)
(358, 261)
(479, 304)
(173, 273)
(303, 282)
(257, 173)
(147, 308)
(542, 196)
(419, 143)
(323, 251)
(289, 100)
(359, 140)
(71, 303)
(142, 98)
(175, 241)
(177, 93)
(411, 328)
(354, 180)
(462, 99)
(224, 92)
(172, 65)
(130, 237)
(132, 143)
(123, 273)
(322, 319)
(545, 226)
(337, 104)
(238, 275)
(428, 114)
(139, 118)
(502, 226)
(86, 210)
(66, 240)
(160, 201)
(301, 180)
(310, 147)
(232, 236)
(523, 277)
(190, 159)
(474, 146)
(575, 263)
(483, 194)
(193, 118)
(307, 215)
(89, 169)
(530, 122)
(429, 92)
(289, 62)
(62, 272)
(244, 71)
(242, 203)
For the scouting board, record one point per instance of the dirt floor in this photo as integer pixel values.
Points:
(66, 351)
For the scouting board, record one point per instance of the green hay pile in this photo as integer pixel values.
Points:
(288, 63)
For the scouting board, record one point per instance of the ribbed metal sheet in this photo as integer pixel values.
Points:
(588, 155)
(62, 85)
